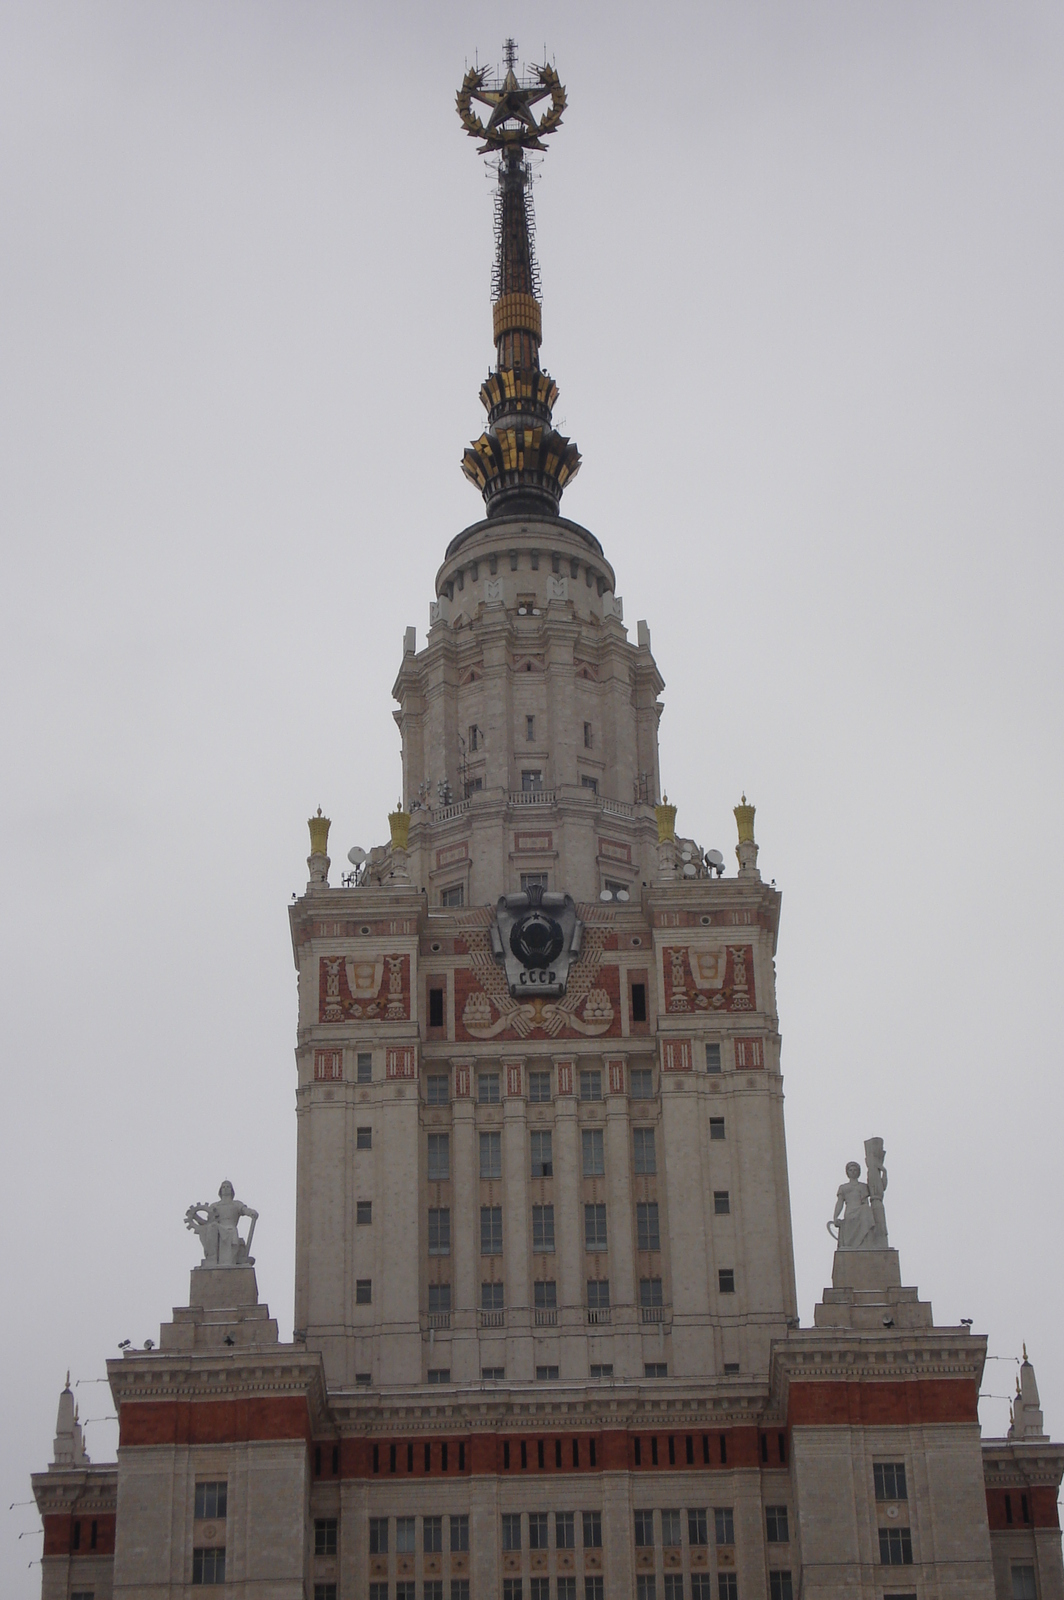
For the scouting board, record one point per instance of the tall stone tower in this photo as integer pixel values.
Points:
(546, 1337)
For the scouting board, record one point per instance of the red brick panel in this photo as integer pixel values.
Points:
(878, 1405)
(212, 1421)
(493, 1455)
(59, 1535)
(1034, 1507)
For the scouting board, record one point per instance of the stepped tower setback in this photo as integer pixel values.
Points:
(546, 1339)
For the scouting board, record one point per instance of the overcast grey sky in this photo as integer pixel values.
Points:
(802, 293)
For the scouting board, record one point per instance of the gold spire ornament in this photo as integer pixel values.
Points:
(512, 123)
(744, 818)
(319, 834)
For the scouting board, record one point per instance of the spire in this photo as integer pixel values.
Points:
(1027, 1420)
(68, 1449)
(521, 463)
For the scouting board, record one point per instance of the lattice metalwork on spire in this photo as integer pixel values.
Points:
(520, 463)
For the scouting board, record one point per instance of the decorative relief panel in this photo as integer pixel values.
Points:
(749, 1052)
(615, 1073)
(461, 1080)
(401, 1062)
(615, 850)
(709, 978)
(350, 990)
(449, 854)
(565, 1077)
(536, 842)
(591, 1005)
(328, 1065)
(513, 1077)
(676, 1055)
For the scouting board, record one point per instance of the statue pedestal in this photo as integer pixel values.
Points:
(866, 1269)
(223, 1313)
(867, 1293)
(212, 1287)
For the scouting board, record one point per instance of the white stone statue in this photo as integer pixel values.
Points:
(216, 1227)
(859, 1222)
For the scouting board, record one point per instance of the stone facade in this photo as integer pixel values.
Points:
(546, 1340)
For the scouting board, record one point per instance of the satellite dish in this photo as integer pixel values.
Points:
(690, 870)
(715, 858)
(622, 894)
(605, 894)
(685, 855)
(356, 856)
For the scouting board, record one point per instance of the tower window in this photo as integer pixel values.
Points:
(530, 727)
(642, 1081)
(598, 1294)
(590, 1084)
(895, 1547)
(712, 1057)
(325, 1529)
(363, 1213)
(437, 1089)
(474, 737)
(488, 1088)
(726, 1280)
(491, 1155)
(491, 1230)
(721, 1202)
(889, 1480)
(588, 783)
(435, 1008)
(439, 1298)
(593, 1151)
(439, 1157)
(542, 1154)
(723, 1525)
(539, 1086)
(716, 1127)
(648, 1231)
(439, 1230)
(454, 896)
(543, 1229)
(211, 1500)
(595, 1227)
(777, 1527)
(587, 736)
(639, 1002)
(645, 1153)
(459, 1526)
(363, 1291)
(650, 1296)
(208, 1565)
(364, 1067)
(532, 780)
(545, 1293)
(491, 1297)
(363, 1138)
(655, 1369)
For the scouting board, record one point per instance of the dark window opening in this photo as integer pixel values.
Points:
(435, 1008)
(639, 1002)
